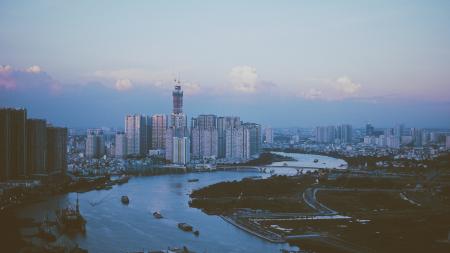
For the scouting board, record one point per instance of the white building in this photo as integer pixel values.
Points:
(120, 148)
(268, 135)
(181, 150)
(204, 142)
(137, 130)
(95, 143)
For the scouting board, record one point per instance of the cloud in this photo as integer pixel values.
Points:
(123, 85)
(244, 78)
(191, 88)
(6, 81)
(346, 85)
(126, 79)
(312, 94)
(33, 69)
(32, 78)
(328, 89)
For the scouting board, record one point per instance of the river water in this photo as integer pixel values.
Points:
(114, 227)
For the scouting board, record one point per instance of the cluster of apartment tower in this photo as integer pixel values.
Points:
(30, 148)
(334, 134)
(208, 136)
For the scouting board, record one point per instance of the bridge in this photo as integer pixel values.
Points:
(263, 168)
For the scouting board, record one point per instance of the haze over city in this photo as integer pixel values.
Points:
(302, 63)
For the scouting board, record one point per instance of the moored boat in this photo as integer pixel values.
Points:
(69, 219)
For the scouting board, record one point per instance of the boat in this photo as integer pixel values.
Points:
(316, 160)
(46, 231)
(123, 179)
(157, 215)
(193, 180)
(185, 227)
(125, 200)
(196, 232)
(69, 219)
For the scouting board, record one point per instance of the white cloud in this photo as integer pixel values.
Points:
(191, 88)
(312, 94)
(5, 68)
(244, 79)
(33, 69)
(123, 84)
(346, 85)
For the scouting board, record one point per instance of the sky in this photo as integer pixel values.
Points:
(277, 63)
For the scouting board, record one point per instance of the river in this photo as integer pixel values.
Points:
(117, 228)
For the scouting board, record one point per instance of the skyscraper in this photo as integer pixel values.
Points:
(137, 130)
(325, 134)
(95, 143)
(242, 142)
(369, 130)
(178, 123)
(416, 134)
(56, 150)
(5, 144)
(398, 130)
(160, 123)
(120, 148)
(13, 143)
(37, 146)
(181, 150)
(204, 136)
(224, 123)
(344, 133)
(177, 96)
(268, 135)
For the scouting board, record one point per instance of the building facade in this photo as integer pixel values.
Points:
(181, 150)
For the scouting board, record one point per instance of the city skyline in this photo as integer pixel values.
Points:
(324, 63)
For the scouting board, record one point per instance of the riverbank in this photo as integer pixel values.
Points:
(352, 212)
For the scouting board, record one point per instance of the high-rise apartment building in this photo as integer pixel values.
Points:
(160, 123)
(344, 133)
(95, 143)
(30, 147)
(181, 150)
(243, 142)
(325, 134)
(138, 133)
(268, 135)
(56, 150)
(416, 134)
(37, 146)
(370, 130)
(13, 140)
(224, 123)
(120, 147)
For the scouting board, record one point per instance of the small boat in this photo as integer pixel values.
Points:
(193, 180)
(196, 232)
(125, 200)
(157, 215)
(70, 219)
(185, 227)
(316, 160)
(123, 179)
